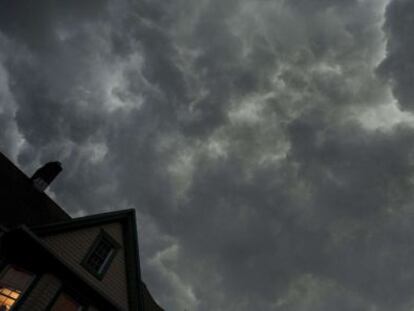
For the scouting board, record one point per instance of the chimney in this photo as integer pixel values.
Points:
(42, 178)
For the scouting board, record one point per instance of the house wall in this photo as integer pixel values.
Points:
(42, 294)
(72, 248)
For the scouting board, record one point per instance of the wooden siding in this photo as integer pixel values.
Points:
(42, 294)
(72, 247)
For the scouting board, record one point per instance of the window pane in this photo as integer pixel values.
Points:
(13, 282)
(100, 256)
(16, 278)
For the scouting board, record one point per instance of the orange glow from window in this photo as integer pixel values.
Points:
(8, 298)
(13, 282)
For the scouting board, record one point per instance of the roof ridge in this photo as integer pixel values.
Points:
(78, 222)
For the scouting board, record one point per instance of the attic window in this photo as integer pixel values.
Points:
(101, 254)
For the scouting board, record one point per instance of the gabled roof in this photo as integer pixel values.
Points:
(129, 228)
(85, 222)
(21, 202)
(41, 257)
(149, 303)
(23, 205)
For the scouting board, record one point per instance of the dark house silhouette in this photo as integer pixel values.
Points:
(51, 261)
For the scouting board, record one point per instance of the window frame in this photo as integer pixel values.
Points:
(103, 235)
(25, 292)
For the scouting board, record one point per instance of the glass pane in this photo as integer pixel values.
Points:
(13, 281)
(100, 255)
(6, 302)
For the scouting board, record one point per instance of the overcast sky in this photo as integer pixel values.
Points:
(267, 145)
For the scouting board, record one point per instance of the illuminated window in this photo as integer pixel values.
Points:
(13, 283)
(66, 303)
(100, 256)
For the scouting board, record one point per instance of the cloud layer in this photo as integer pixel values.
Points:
(266, 145)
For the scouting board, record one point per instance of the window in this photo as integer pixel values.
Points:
(64, 302)
(13, 282)
(101, 254)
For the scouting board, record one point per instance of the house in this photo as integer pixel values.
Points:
(51, 261)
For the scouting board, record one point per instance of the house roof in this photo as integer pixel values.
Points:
(41, 257)
(85, 222)
(23, 205)
(21, 202)
(128, 222)
(149, 303)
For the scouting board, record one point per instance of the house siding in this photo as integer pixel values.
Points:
(72, 248)
(42, 294)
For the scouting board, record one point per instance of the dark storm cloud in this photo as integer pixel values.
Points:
(268, 164)
(398, 64)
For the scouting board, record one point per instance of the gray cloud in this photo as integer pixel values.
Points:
(270, 166)
(397, 67)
